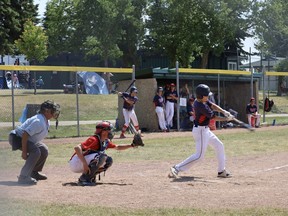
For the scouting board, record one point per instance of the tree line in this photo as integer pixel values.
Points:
(182, 30)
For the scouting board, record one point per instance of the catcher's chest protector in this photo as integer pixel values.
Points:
(103, 145)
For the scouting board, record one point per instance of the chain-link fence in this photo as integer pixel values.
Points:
(80, 111)
(81, 106)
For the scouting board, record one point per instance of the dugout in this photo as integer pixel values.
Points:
(234, 91)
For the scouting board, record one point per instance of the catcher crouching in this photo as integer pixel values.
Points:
(90, 158)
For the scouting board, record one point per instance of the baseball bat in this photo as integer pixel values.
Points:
(243, 124)
(133, 81)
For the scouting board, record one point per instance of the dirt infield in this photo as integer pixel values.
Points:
(257, 181)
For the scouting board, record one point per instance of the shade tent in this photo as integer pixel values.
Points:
(93, 83)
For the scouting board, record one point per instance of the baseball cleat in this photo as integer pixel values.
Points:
(224, 174)
(122, 136)
(174, 172)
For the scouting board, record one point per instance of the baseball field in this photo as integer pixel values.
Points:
(138, 183)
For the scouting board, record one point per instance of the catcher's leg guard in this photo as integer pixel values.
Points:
(109, 162)
(94, 166)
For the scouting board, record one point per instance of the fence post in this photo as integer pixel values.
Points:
(77, 104)
(178, 101)
(263, 74)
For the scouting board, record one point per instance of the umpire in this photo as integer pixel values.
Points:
(28, 136)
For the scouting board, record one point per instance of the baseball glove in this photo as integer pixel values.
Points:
(137, 140)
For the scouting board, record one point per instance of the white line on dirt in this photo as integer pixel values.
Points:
(275, 168)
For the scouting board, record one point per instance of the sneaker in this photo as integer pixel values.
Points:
(224, 174)
(27, 180)
(122, 136)
(38, 176)
(174, 171)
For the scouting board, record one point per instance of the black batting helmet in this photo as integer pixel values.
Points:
(202, 90)
(133, 89)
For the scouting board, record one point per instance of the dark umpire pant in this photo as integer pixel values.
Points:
(37, 154)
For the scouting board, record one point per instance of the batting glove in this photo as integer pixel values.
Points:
(226, 113)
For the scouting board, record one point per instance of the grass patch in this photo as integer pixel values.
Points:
(24, 208)
(91, 107)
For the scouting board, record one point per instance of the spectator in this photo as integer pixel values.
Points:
(40, 83)
(15, 81)
(252, 113)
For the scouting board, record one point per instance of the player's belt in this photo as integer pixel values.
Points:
(201, 126)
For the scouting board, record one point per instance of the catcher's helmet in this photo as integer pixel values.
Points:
(50, 105)
(202, 90)
(133, 89)
(107, 126)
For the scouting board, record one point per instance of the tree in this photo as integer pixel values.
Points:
(282, 67)
(272, 27)
(13, 15)
(98, 27)
(203, 27)
(33, 42)
(59, 26)
(133, 31)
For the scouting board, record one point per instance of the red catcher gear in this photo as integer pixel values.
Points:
(105, 125)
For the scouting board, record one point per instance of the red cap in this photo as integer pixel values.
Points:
(252, 98)
(172, 84)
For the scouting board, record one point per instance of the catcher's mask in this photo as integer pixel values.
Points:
(202, 90)
(54, 107)
(50, 105)
(105, 126)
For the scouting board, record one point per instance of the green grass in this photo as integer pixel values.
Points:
(91, 107)
(14, 208)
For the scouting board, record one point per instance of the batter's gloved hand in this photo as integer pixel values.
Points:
(226, 113)
(229, 118)
(137, 140)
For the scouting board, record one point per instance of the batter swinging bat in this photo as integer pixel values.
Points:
(247, 126)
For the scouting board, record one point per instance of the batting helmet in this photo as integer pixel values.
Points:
(133, 89)
(159, 89)
(202, 90)
(50, 105)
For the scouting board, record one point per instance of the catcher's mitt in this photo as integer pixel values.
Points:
(137, 140)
